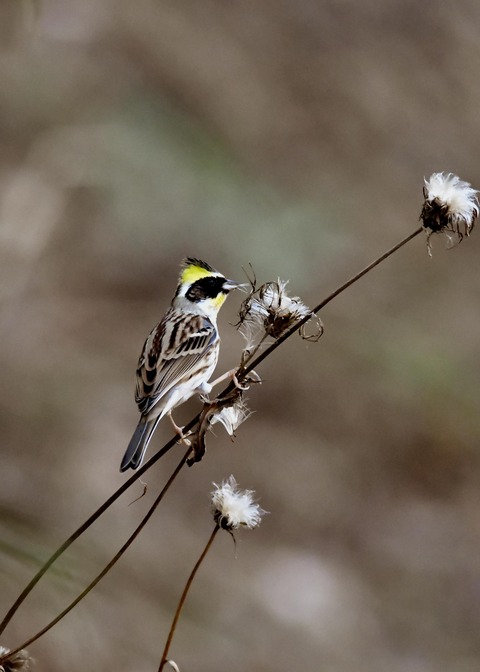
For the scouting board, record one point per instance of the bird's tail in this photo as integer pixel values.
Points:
(138, 445)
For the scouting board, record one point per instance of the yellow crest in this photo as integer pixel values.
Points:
(193, 270)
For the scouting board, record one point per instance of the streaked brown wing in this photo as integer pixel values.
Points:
(171, 352)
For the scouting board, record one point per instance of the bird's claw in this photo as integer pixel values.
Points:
(183, 438)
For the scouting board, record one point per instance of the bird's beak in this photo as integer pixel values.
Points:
(228, 285)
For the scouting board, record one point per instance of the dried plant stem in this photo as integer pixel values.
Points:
(108, 567)
(294, 328)
(184, 597)
(79, 531)
(368, 268)
(247, 368)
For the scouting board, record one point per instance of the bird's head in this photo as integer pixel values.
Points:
(203, 287)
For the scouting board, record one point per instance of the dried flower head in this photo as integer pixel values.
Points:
(233, 508)
(231, 417)
(269, 311)
(18, 662)
(450, 205)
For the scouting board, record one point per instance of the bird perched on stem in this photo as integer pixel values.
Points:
(180, 353)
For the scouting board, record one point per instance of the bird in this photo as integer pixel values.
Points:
(180, 353)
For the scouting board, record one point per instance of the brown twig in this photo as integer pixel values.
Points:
(108, 567)
(184, 597)
(242, 373)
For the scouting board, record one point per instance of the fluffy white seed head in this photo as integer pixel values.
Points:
(275, 298)
(233, 508)
(270, 311)
(450, 203)
(231, 417)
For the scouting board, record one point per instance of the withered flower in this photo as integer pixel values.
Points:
(231, 417)
(450, 205)
(270, 311)
(233, 508)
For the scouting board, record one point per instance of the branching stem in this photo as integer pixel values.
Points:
(244, 371)
(108, 567)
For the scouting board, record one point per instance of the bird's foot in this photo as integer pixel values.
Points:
(182, 438)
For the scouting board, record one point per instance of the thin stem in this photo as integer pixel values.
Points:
(329, 298)
(28, 589)
(368, 268)
(108, 567)
(21, 598)
(184, 597)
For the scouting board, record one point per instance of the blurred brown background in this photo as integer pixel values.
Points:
(295, 136)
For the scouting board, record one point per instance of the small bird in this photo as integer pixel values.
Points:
(180, 353)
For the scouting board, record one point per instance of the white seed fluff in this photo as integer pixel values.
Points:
(233, 508)
(271, 311)
(276, 299)
(459, 197)
(231, 417)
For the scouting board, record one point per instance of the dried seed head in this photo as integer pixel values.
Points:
(450, 205)
(269, 310)
(233, 508)
(18, 662)
(231, 417)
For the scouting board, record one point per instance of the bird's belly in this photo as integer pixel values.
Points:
(182, 392)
